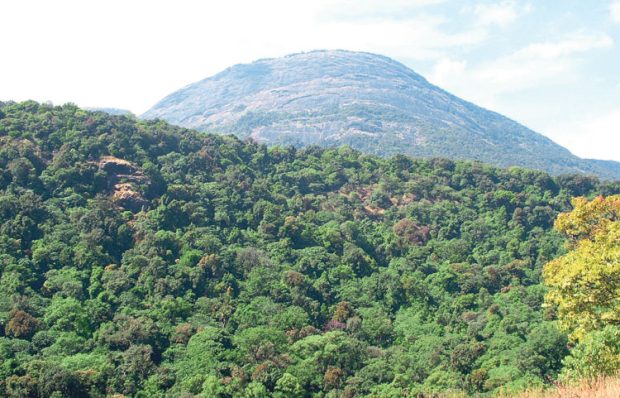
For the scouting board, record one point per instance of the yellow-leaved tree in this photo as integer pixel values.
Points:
(584, 285)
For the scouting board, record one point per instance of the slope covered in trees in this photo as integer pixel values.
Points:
(143, 259)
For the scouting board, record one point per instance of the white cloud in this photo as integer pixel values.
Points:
(541, 63)
(371, 9)
(409, 29)
(421, 37)
(584, 137)
(532, 74)
(614, 10)
(577, 42)
(446, 69)
(536, 65)
(500, 14)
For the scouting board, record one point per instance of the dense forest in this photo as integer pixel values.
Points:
(146, 260)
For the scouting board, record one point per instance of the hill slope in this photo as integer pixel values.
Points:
(368, 101)
(144, 259)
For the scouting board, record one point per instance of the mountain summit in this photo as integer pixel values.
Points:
(367, 101)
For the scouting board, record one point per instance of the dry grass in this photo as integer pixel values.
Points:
(608, 387)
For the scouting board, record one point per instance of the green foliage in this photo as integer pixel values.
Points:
(143, 259)
(596, 355)
(585, 286)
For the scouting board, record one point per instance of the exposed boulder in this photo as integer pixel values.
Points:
(114, 165)
(126, 196)
(126, 182)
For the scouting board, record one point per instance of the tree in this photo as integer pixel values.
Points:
(201, 358)
(288, 386)
(598, 354)
(21, 325)
(585, 282)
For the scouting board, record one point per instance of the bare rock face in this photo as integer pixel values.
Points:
(127, 197)
(114, 165)
(367, 101)
(125, 180)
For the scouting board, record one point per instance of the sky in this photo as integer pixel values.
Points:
(552, 65)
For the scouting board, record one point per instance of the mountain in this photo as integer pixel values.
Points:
(367, 101)
(141, 259)
(111, 111)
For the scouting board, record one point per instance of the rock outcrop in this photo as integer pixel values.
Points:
(125, 182)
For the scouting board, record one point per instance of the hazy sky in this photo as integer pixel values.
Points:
(553, 65)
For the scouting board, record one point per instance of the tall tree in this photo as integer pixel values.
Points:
(584, 284)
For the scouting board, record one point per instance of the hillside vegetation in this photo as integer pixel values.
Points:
(367, 101)
(144, 259)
